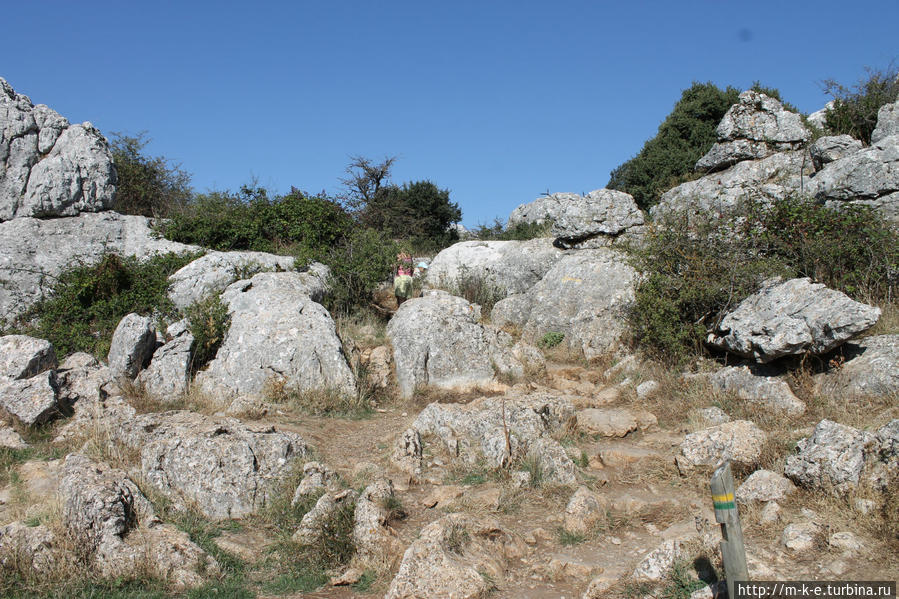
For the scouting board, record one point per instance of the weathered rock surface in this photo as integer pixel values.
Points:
(33, 251)
(316, 476)
(475, 430)
(825, 150)
(49, 167)
(773, 178)
(223, 467)
(544, 209)
(407, 452)
(105, 511)
(372, 534)
(583, 512)
(168, 375)
(800, 536)
(658, 562)
(34, 544)
(837, 457)
(871, 368)
(756, 127)
(614, 422)
(764, 485)
(132, 346)
(315, 521)
(22, 356)
(887, 122)
(277, 335)
(595, 219)
(584, 296)
(9, 438)
(454, 557)
(791, 318)
(509, 266)
(739, 441)
(438, 341)
(31, 401)
(214, 271)
(757, 387)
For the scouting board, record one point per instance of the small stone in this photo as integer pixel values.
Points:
(770, 513)
(647, 389)
(800, 537)
(846, 541)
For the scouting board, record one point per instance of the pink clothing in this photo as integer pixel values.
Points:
(404, 270)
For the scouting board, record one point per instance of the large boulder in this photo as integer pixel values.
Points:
(583, 296)
(132, 345)
(825, 150)
(757, 387)
(49, 167)
(278, 335)
(214, 271)
(438, 340)
(34, 251)
(740, 441)
(887, 122)
(476, 431)
(22, 356)
(596, 219)
(871, 367)
(456, 556)
(222, 467)
(168, 375)
(788, 318)
(543, 210)
(33, 400)
(755, 127)
(832, 458)
(508, 266)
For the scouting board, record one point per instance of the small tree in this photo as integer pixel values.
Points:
(855, 109)
(147, 186)
(364, 180)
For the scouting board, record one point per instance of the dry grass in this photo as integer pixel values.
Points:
(648, 471)
(362, 330)
(888, 324)
(425, 395)
(194, 400)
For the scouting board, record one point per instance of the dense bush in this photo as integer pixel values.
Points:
(696, 272)
(209, 322)
(147, 186)
(418, 212)
(86, 303)
(854, 110)
(683, 138)
(518, 232)
(363, 259)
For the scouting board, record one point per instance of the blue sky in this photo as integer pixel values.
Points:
(496, 101)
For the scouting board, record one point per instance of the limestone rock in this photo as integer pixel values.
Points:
(613, 422)
(277, 335)
(583, 512)
(22, 356)
(801, 536)
(133, 344)
(871, 369)
(214, 271)
(658, 562)
(372, 534)
(378, 362)
(756, 127)
(47, 166)
(768, 391)
(739, 441)
(887, 122)
(647, 389)
(33, 251)
(316, 476)
(168, 375)
(832, 458)
(454, 557)
(543, 210)
(475, 430)
(438, 341)
(407, 453)
(595, 219)
(510, 267)
(31, 543)
(9, 438)
(793, 317)
(315, 521)
(584, 296)
(32, 401)
(711, 416)
(764, 485)
(825, 150)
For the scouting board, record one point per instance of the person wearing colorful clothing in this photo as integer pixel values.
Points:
(402, 282)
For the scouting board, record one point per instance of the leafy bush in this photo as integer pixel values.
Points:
(551, 339)
(86, 303)
(519, 232)
(363, 260)
(419, 212)
(148, 186)
(209, 322)
(683, 138)
(697, 270)
(855, 109)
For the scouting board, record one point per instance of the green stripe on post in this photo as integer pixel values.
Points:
(725, 505)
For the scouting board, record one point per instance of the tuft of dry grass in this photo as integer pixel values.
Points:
(888, 324)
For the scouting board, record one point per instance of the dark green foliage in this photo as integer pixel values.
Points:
(419, 212)
(148, 186)
(683, 138)
(551, 339)
(697, 270)
(209, 322)
(855, 109)
(519, 232)
(86, 302)
(358, 264)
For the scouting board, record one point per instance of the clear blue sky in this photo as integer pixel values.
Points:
(496, 101)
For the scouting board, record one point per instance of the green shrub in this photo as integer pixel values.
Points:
(696, 270)
(551, 339)
(855, 109)
(209, 322)
(519, 232)
(359, 263)
(148, 186)
(86, 303)
(418, 212)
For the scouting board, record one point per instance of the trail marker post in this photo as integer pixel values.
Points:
(732, 549)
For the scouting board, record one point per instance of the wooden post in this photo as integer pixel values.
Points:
(732, 549)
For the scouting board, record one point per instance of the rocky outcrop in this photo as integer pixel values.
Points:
(787, 318)
(438, 341)
(372, 534)
(541, 211)
(31, 401)
(475, 431)
(456, 556)
(508, 266)
(887, 122)
(33, 251)
(614, 422)
(315, 521)
(871, 369)
(278, 335)
(23, 357)
(825, 150)
(757, 387)
(32, 544)
(132, 346)
(316, 477)
(168, 375)
(584, 296)
(596, 219)
(214, 271)
(49, 167)
(756, 127)
(739, 441)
